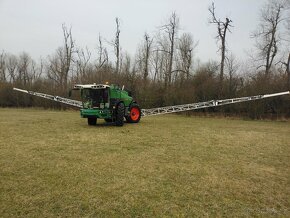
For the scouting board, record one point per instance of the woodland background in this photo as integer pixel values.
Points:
(165, 69)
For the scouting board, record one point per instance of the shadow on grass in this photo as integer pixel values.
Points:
(110, 124)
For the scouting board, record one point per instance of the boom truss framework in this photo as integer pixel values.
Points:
(53, 98)
(206, 104)
(163, 110)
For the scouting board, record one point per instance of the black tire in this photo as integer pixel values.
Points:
(132, 118)
(120, 111)
(108, 120)
(92, 121)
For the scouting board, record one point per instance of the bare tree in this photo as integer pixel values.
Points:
(36, 70)
(2, 67)
(287, 63)
(167, 44)
(60, 64)
(12, 63)
(267, 34)
(232, 67)
(103, 57)
(147, 46)
(222, 28)
(126, 66)
(288, 71)
(186, 48)
(143, 57)
(82, 62)
(156, 63)
(116, 45)
(24, 74)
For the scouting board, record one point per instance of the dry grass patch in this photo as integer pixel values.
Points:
(53, 164)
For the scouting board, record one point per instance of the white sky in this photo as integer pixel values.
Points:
(34, 26)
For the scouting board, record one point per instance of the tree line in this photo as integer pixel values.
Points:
(165, 70)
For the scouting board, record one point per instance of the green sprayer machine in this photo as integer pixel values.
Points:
(99, 101)
(114, 104)
(108, 102)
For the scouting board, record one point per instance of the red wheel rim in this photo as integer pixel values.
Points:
(134, 114)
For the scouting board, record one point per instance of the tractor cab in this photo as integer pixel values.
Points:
(95, 96)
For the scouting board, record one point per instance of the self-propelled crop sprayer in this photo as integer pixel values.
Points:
(108, 102)
(112, 103)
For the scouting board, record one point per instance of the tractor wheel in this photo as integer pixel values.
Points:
(108, 120)
(120, 114)
(135, 114)
(92, 121)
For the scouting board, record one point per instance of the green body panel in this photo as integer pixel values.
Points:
(122, 95)
(106, 110)
(98, 113)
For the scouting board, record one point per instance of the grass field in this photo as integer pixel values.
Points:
(53, 164)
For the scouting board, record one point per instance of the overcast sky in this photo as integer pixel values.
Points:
(34, 26)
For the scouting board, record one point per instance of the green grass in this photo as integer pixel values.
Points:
(53, 164)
